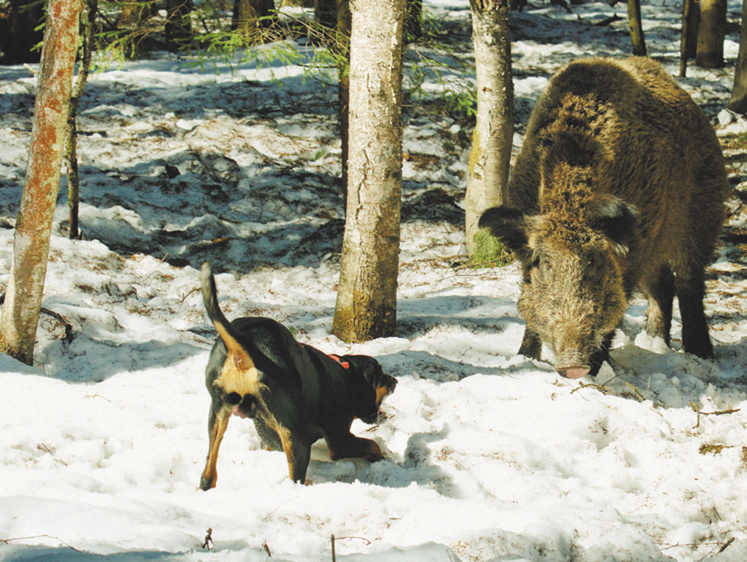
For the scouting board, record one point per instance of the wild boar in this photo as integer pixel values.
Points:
(619, 185)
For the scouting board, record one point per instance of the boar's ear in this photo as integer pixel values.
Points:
(508, 225)
(617, 219)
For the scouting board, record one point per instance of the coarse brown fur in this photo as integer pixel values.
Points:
(619, 185)
(295, 393)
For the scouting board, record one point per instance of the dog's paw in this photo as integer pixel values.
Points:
(373, 453)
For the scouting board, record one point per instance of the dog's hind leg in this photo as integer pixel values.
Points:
(297, 452)
(217, 425)
(270, 439)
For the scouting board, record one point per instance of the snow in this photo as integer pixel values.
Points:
(490, 455)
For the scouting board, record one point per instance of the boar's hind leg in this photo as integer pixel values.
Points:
(660, 293)
(531, 344)
(690, 292)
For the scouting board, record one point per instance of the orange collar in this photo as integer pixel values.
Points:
(345, 364)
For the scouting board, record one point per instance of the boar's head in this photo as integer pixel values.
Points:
(573, 294)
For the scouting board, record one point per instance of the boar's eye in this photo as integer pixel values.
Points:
(594, 263)
(545, 268)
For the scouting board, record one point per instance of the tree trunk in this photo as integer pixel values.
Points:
(251, 17)
(688, 33)
(325, 13)
(20, 315)
(738, 101)
(178, 27)
(711, 33)
(367, 295)
(342, 50)
(636, 28)
(71, 150)
(135, 12)
(490, 157)
(25, 17)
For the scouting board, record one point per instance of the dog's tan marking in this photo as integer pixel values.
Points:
(210, 474)
(239, 373)
(286, 439)
(240, 381)
(381, 393)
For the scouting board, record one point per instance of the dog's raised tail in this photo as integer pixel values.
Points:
(236, 351)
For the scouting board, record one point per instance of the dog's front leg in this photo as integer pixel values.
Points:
(346, 445)
(217, 425)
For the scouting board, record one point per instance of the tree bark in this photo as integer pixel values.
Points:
(738, 101)
(636, 28)
(20, 315)
(251, 17)
(367, 295)
(688, 33)
(135, 12)
(490, 157)
(71, 150)
(342, 50)
(711, 33)
(325, 13)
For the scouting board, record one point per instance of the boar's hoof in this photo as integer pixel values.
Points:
(574, 372)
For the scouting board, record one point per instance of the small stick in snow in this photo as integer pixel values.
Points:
(208, 539)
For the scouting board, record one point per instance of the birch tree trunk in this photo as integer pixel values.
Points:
(367, 295)
(20, 315)
(490, 157)
(738, 101)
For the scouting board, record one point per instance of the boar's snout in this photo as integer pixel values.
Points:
(574, 372)
(572, 363)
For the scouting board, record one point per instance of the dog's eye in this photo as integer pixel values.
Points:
(233, 398)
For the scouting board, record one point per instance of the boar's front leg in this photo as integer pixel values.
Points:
(660, 294)
(531, 344)
(601, 355)
(690, 293)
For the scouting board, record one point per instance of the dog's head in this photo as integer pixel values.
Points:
(371, 386)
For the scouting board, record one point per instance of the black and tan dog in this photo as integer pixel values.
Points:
(295, 393)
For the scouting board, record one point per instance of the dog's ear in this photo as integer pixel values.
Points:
(364, 375)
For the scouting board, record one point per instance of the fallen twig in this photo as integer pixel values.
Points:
(46, 449)
(600, 387)
(333, 539)
(699, 412)
(16, 539)
(637, 392)
(68, 327)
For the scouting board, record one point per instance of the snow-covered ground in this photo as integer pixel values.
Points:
(491, 456)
